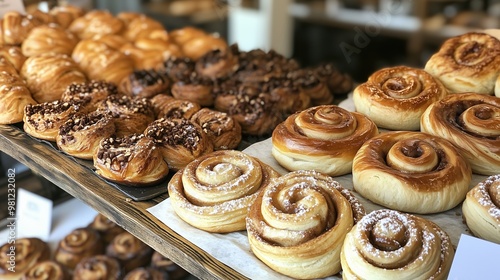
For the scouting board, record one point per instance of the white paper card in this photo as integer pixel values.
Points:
(34, 215)
(11, 5)
(475, 259)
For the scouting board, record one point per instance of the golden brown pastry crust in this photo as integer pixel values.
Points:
(322, 138)
(130, 251)
(150, 53)
(218, 63)
(387, 244)
(13, 55)
(47, 270)
(28, 252)
(411, 172)
(15, 27)
(298, 223)
(106, 228)
(77, 245)
(180, 140)
(95, 23)
(49, 38)
(199, 46)
(130, 160)
(467, 63)
(213, 192)
(470, 121)
(182, 35)
(146, 273)
(481, 209)
(14, 96)
(139, 26)
(221, 128)
(395, 98)
(169, 107)
(48, 75)
(98, 267)
(64, 15)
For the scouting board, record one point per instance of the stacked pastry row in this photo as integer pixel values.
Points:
(102, 250)
(304, 224)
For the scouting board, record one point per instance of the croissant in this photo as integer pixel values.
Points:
(64, 15)
(14, 96)
(49, 38)
(95, 23)
(13, 55)
(15, 27)
(150, 53)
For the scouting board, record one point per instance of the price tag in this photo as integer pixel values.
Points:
(34, 215)
(11, 5)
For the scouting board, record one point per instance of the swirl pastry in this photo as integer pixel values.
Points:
(338, 83)
(97, 268)
(395, 98)
(218, 63)
(222, 129)
(195, 89)
(106, 228)
(95, 23)
(48, 75)
(411, 172)
(169, 107)
(129, 251)
(13, 55)
(49, 38)
(77, 245)
(131, 115)
(467, 63)
(387, 244)
(28, 252)
(289, 97)
(130, 160)
(44, 120)
(298, 223)
(471, 122)
(64, 15)
(180, 141)
(257, 66)
(313, 86)
(322, 138)
(213, 192)
(146, 273)
(92, 91)
(81, 134)
(174, 271)
(481, 209)
(14, 96)
(47, 270)
(145, 83)
(226, 91)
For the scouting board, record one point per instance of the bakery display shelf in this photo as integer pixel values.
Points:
(87, 186)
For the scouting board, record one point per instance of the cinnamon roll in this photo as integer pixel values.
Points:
(95, 23)
(213, 192)
(97, 268)
(467, 63)
(26, 254)
(387, 244)
(130, 251)
(130, 160)
(145, 83)
(93, 91)
(47, 270)
(180, 141)
(131, 115)
(13, 55)
(81, 134)
(14, 97)
(174, 271)
(44, 120)
(77, 245)
(49, 38)
(222, 129)
(323, 138)
(481, 209)
(146, 273)
(48, 75)
(298, 223)
(218, 63)
(412, 172)
(106, 228)
(471, 122)
(395, 98)
(194, 88)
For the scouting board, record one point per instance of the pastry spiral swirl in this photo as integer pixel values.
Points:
(146, 273)
(471, 121)
(166, 106)
(28, 252)
(221, 128)
(481, 209)
(77, 245)
(467, 63)
(396, 97)
(412, 172)
(130, 251)
(387, 244)
(97, 268)
(298, 223)
(47, 270)
(106, 228)
(322, 138)
(213, 192)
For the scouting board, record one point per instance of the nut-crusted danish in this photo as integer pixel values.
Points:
(481, 209)
(47, 270)
(194, 88)
(93, 91)
(81, 134)
(298, 223)
(169, 107)
(471, 122)
(218, 63)
(97, 268)
(130, 251)
(28, 252)
(387, 244)
(411, 172)
(180, 141)
(49, 38)
(130, 160)
(14, 96)
(178, 68)
(106, 228)
(221, 128)
(289, 97)
(395, 98)
(77, 245)
(322, 138)
(213, 192)
(145, 83)
(467, 63)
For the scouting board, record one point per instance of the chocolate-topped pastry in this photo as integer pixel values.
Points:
(96, 91)
(289, 97)
(166, 106)
(259, 66)
(174, 271)
(218, 63)
(226, 93)
(222, 129)
(194, 88)
(146, 273)
(175, 68)
(131, 115)
(180, 140)
(313, 86)
(145, 83)
(337, 82)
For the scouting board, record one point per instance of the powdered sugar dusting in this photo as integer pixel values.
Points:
(488, 195)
